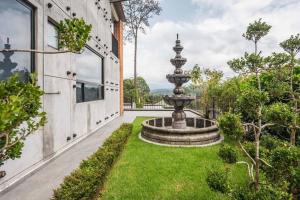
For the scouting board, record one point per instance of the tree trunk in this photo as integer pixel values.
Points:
(257, 132)
(293, 136)
(295, 107)
(135, 60)
(257, 159)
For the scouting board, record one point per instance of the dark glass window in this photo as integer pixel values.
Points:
(16, 32)
(90, 80)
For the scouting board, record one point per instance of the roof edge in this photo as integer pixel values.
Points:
(119, 9)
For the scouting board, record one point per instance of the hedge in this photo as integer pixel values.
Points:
(85, 182)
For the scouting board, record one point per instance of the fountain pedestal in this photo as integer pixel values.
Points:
(178, 100)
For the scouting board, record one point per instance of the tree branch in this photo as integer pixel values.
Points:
(37, 51)
(266, 125)
(250, 169)
(253, 161)
(265, 162)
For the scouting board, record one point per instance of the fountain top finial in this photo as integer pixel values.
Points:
(177, 36)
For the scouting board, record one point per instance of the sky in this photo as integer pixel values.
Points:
(211, 34)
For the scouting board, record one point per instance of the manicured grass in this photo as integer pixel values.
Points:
(147, 171)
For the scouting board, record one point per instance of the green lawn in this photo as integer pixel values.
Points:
(147, 171)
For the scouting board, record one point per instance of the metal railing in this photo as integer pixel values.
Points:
(211, 112)
(148, 106)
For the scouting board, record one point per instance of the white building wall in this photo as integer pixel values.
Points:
(68, 121)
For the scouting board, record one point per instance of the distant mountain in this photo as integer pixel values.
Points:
(162, 91)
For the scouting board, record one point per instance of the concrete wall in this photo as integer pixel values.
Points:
(66, 118)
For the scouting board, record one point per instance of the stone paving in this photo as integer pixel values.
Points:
(40, 185)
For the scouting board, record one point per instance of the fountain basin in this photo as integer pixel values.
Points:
(178, 101)
(178, 62)
(178, 78)
(199, 131)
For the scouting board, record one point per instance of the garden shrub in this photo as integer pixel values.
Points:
(270, 142)
(228, 153)
(250, 148)
(217, 180)
(230, 125)
(266, 192)
(283, 160)
(88, 179)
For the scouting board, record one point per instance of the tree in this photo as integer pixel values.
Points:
(292, 47)
(138, 13)
(140, 94)
(207, 81)
(254, 99)
(20, 100)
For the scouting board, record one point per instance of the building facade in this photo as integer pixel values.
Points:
(82, 91)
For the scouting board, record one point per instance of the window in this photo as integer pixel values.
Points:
(90, 79)
(16, 32)
(52, 35)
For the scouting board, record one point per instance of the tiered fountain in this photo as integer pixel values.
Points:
(180, 130)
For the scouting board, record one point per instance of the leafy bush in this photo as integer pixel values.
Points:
(230, 124)
(295, 183)
(280, 113)
(270, 142)
(217, 180)
(250, 148)
(228, 153)
(85, 182)
(283, 161)
(20, 114)
(266, 192)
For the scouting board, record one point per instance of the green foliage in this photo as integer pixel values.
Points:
(249, 102)
(257, 30)
(277, 60)
(291, 45)
(206, 85)
(228, 153)
(283, 161)
(280, 113)
(138, 13)
(139, 95)
(88, 179)
(270, 142)
(295, 182)
(20, 114)
(230, 125)
(196, 75)
(274, 81)
(230, 90)
(250, 148)
(266, 192)
(250, 63)
(218, 181)
(73, 34)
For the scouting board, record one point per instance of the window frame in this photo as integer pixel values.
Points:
(55, 24)
(32, 9)
(99, 85)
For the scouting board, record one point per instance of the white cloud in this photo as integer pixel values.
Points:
(211, 40)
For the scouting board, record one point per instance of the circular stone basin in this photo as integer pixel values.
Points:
(199, 131)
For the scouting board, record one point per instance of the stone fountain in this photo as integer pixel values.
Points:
(180, 130)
